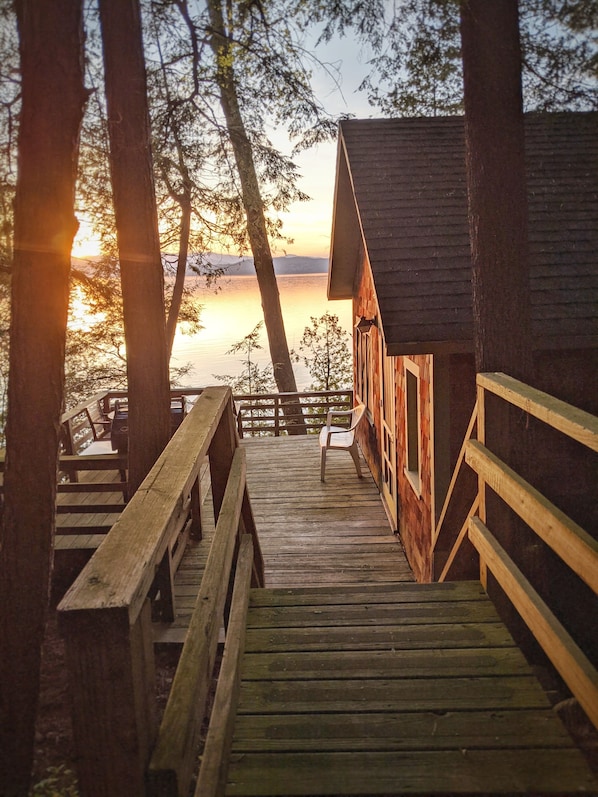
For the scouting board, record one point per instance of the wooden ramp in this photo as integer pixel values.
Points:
(392, 689)
(354, 679)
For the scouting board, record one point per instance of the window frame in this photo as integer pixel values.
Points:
(413, 430)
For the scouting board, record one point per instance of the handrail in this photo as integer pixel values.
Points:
(172, 763)
(106, 615)
(575, 423)
(257, 413)
(577, 549)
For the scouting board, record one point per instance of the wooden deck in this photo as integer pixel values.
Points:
(319, 534)
(392, 689)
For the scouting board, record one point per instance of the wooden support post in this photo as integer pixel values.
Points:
(165, 584)
(276, 417)
(196, 528)
(481, 424)
(222, 449)
(111, 672)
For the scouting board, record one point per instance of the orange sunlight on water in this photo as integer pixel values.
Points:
(230, 314)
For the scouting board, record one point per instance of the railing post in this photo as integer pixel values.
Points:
(481, 430)
(196, 526)
(276, 417)
(221, 453)
(111, 672)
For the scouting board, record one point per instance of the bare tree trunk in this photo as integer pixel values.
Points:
(256, 223)
(181, 270)
(142, 275)
(53, 99)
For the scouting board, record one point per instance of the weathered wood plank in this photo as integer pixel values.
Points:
(384, 663)
(380, 593)
(442, 772)
(373, 637)
(373, 614)
(426, 730)
(386, 694)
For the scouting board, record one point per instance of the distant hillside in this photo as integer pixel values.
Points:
(290, 264)
(243, 266)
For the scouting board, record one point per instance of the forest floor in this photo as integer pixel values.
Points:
(55, 762)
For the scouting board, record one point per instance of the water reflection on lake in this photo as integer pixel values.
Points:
(232, 312)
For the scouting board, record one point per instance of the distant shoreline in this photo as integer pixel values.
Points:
(289, 265)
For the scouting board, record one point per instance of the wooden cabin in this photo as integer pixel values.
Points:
(400, 250)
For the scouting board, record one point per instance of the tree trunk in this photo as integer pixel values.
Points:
(181, 270)
(53, 99)
(256, 223)
(142, 275)
(494, 136)
(496, 186)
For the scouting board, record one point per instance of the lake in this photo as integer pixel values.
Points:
(230, 312)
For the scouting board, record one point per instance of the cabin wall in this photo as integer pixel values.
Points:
(414, 499)
(415, 495)
(365, 305)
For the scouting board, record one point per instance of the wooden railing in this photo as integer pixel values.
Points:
(572, 544)
(106, 614)
(258, 414)
(262, 413)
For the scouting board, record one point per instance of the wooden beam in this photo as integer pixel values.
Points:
(570, 661)
(575, 423)
(568, 540)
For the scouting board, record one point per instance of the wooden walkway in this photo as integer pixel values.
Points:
(392, 689)
(357, 681)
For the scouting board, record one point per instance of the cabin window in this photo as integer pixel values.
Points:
(365, 382)
(413, 426)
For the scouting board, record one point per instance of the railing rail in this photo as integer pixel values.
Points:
(106, 614)
(263, 413)
(572, 544)
(258, 414)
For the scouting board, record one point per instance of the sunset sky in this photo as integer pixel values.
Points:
(308, 223)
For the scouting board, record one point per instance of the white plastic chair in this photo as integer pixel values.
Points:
(337, 437)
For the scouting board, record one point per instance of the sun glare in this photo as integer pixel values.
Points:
(86, 243)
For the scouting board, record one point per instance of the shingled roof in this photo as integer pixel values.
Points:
(401, 194)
